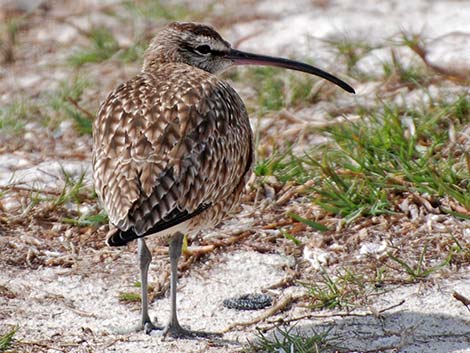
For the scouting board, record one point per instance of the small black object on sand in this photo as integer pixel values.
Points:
(248, 302)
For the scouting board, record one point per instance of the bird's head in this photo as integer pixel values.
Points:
(201, 46)
(190, 43)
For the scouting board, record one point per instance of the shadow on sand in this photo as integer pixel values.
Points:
(401, 331)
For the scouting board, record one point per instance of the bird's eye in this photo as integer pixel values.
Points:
(203, 49)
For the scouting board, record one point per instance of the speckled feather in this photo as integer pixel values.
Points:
(174, 143)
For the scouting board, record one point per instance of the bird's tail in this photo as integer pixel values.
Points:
(117, 237)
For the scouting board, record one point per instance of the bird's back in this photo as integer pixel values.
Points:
(171, 146)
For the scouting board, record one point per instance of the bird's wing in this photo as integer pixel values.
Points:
(166, 148)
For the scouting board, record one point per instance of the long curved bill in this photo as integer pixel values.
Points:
(243, 58)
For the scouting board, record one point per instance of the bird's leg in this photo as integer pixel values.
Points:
(173, 328)
(145, 257)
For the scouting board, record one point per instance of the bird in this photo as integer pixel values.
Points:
(173, 147)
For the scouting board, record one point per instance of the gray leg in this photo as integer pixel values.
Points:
(173, 328)
(145, 257)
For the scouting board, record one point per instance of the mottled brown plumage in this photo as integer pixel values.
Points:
(173, 149)
(170, 141)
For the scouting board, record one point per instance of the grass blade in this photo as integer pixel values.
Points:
(317, 226)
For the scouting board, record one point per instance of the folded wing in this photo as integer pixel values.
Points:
(167, 149)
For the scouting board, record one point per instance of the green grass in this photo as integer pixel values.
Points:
(350, 51)
(73, 190)
(83, 123)
(144, 10)
(49, 109)
(129, 297)
(419, 270)
(276, 88)
(76, 192)
(61, 101)
(380, 157)
(269, 87)
(103, 45)
(459, 252)
(73, 87)
(369, 165)
(284, 166)
(292, 340)
(88, 220)
(15, 115)
(6, 340)
(337, 291)
(415, 75)
(414, 41)
(159, 10)
(290, 237)
(9, 29)
(459, 108)
(315, 225)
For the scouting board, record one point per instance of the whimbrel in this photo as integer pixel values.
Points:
(173, 147)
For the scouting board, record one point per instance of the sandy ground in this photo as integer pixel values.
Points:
(83, 307)
(76, 309)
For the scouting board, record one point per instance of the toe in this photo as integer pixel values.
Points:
(176, 331)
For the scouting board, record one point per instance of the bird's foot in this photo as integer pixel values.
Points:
(148, 327)
(176, 331)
